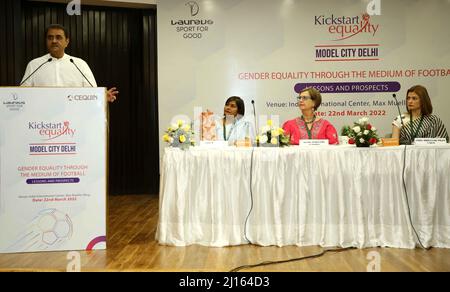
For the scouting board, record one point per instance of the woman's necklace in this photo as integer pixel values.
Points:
(309, 122)
(308, 129)
(225, 130)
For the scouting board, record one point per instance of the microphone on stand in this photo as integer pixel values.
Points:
(29, 76)
(254, 113)
(73, 62)
(403, 177)
(400, 114)
(398, 107)
(250, 182)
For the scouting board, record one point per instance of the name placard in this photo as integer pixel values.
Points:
(213, 144)
(430, 141)
(314, 142)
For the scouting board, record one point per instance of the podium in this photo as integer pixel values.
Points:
(53, 169)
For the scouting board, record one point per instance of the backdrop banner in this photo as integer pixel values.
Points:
(357, 53)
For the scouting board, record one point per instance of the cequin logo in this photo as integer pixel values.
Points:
(50, 131)
(346, 27)
(81, 97)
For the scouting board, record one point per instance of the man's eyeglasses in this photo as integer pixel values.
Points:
(53, 37)
(303, 97)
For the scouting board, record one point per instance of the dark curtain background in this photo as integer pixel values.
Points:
(10, 42)
(120, 47)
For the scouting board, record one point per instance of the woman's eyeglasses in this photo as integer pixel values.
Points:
(303, 97)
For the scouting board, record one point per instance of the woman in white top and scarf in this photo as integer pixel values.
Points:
(233, 126)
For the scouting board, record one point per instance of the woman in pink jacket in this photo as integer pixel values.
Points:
(308, 125)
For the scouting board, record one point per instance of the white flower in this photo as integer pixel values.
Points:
(363, 121)
(174, 127)
(374, 129)
(274, 141)
(265, 129)
(170, 140)
(357, 129)
(366, 132)
(362, 140)
(263, 139)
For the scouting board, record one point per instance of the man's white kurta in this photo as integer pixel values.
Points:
(59, 73)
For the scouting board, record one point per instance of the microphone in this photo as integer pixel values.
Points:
(72, 61)
(29, 76)
(254, 112)
(256, 126)
(398, 107)
(400, 114)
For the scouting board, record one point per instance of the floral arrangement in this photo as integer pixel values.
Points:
(363, 134)
(271, 136)
(179, 135)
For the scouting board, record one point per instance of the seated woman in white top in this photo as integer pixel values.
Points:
(418, 122)
(233, 126)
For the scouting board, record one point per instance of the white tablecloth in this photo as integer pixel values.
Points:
(329, 196)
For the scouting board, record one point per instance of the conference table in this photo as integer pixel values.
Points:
(329, 196)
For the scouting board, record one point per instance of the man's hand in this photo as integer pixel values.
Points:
(111, 94)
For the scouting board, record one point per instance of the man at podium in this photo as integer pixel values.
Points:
(58, 68)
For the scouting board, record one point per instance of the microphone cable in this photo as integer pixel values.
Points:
(251, 196)
(251, 179)
(404, 179)
(267, 263)
(407, 201)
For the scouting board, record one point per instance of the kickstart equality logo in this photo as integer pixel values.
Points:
(49, 131)
(346, 27)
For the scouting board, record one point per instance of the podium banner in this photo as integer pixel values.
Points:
(53, 169)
